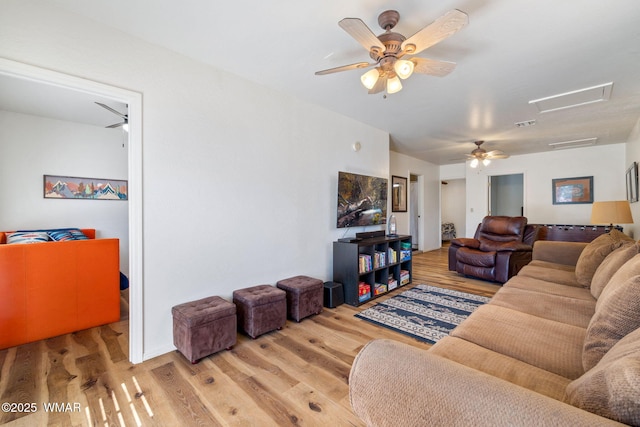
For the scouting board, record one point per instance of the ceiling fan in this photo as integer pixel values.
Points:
(125, 117)
(479, 154)
(388, 49)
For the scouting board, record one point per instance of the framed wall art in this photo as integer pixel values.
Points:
(71, 187)
(572, 190)
(398, 194)
(632, 183)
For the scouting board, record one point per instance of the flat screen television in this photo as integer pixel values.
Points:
(362, 200)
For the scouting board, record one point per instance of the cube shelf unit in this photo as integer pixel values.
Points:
(348, 260)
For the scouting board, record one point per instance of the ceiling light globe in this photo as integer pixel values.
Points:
(370, 78)
(394, 85)
(486, 162)
(474, 163)
(403, 68)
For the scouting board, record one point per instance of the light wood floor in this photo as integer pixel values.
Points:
(296, 376)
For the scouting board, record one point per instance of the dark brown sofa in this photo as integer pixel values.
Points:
(501, 246)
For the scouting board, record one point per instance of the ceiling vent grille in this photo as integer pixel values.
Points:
(573, 144)
(525, 123)
(575, 98)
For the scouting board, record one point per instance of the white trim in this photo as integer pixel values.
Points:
(134, 101)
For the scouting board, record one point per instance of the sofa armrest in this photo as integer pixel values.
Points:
(395, 384)
(566, 253)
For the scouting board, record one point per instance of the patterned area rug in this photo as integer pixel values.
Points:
(427, 313)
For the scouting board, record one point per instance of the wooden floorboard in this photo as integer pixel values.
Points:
(297, 376)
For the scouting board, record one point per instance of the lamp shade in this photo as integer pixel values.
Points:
(403, 68)
(370, 78)
(394, 85)
(618, 212)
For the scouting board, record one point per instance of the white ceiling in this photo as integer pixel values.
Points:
(511, 52)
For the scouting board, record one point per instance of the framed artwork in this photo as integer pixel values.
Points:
(398, 194)
(632, 183)
(71, 187)
(572, 190)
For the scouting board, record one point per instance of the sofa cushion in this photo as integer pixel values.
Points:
(562, 276)
(610, 265)
(612, 387)
(595, 252)
(617, 314)
(553, 346)
(544, 286)
(501, 366)
(572, 311)
(27, 237)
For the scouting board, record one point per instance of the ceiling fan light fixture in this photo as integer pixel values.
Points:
(486, 162)
(474, 163)
(403, 68)
(394, 85)
(370, 78)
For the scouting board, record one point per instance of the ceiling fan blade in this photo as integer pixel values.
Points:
(344, 68)
(115, 125)
(363, 35)
(112, 110)
(496, 154)
(443, 27)
(432, 67)
(380, 85)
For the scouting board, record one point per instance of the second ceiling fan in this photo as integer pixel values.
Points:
(389, 48)
(479, 154)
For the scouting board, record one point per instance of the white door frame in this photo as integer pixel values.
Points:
(134, 101)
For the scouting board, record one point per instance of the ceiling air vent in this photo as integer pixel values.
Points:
(575, 98)
(573, 144)
(525, 123)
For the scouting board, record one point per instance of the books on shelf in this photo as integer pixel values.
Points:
(364, 291)
(405, 255)
(365, 263)
(393, 283)
(393, 256)
(380, 259)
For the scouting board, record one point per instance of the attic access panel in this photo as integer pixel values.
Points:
(574, 98)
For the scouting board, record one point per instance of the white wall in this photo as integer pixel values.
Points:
(605, 163)
(239, 181)
(402, 165)
(31, 147)
(632, 154)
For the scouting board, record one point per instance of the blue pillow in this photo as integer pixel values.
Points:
(27, 237)
(60, 235)
(78, 235)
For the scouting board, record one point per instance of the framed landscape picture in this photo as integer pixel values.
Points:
(572, 190)
(71, 187)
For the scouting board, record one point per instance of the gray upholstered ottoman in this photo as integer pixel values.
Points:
(204, 327)
(260, 309)
(305, 296)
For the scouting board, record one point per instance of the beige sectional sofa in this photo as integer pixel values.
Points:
(559, 344)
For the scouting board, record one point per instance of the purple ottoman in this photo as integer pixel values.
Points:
(204, 327)
(261, 309)
(305, 296)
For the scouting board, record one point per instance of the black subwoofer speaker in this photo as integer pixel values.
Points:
(333, 294)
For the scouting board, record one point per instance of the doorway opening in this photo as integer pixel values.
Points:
(134, 101)
(506, 195)
(415, 209)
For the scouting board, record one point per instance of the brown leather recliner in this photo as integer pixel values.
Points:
(501, 246)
